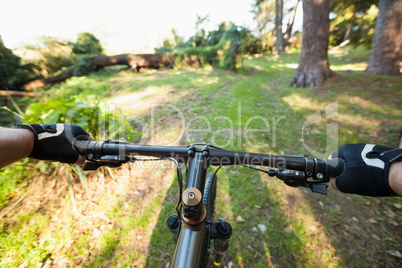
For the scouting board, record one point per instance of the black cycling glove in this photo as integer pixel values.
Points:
(54, 141)
(366, 168)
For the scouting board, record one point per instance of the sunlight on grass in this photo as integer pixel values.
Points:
(350, 67)
(298, 103)
(141, 102)
(303, 104)
(367, 104)
(304, 224)
(292, 65)
(358, 121)
(208, 81)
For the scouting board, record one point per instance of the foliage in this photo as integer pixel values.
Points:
(12, 73)
(169, 44)
(86, 46)
(223, 55)
(353, 20)
(87, 43)
(10, 178)
(221, 48)
(84, 66)
(75, 103)
(49, 54)
(264, 14)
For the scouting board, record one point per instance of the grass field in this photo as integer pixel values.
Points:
(119, 219)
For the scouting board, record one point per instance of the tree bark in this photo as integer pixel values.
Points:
(289, 28)
(278, 26)
(38, 83)
(135, 61)
(7, 93)
(386, 52)
(313, 66)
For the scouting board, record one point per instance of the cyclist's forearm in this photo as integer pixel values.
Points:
(15, 144)
(395, 177)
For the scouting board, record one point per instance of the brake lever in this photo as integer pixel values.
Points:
(295, 178)
(112, 161)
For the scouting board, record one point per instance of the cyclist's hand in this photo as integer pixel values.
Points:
(366, 169)
(54, 142)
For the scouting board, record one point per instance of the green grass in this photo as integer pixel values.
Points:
(266, 115)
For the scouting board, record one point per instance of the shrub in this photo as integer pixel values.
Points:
(84, 66)
(87, 43)
(78, 101)
(225, 54)
(12, 73)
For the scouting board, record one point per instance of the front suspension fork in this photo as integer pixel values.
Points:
(220, 232)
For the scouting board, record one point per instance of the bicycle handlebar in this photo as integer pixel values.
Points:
(293, 170)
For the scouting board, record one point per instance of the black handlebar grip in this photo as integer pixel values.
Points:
(334, 167)
(85, 147)
(79, 146)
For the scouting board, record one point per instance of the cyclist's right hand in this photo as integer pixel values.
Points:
(366, 169)
(54, 142)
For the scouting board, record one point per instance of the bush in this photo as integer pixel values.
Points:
(84, 66)
(221, 48)
(12, 73)
(87, 43)
(225, 54)
(49, 54)
(78, 101)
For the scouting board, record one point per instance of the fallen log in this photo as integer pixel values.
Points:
(8, 93)
(135, 61)
(38, 83)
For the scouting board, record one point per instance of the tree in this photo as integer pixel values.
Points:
(278, 26)
(386, 50)
(353, 20)
(12, 72)
(288, 34)
(87, 43)
(313, 66)
(264, 14)
(269, 15)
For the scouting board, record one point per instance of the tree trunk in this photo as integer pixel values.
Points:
(8, 93)
(135, 61)
(313, 66)
(386, 52)
(278, 26)
(38, 83)
(289, 28)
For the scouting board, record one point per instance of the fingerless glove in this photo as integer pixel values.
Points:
(366, 169)
(54, 141)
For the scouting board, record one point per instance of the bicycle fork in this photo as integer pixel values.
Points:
(220, 232)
